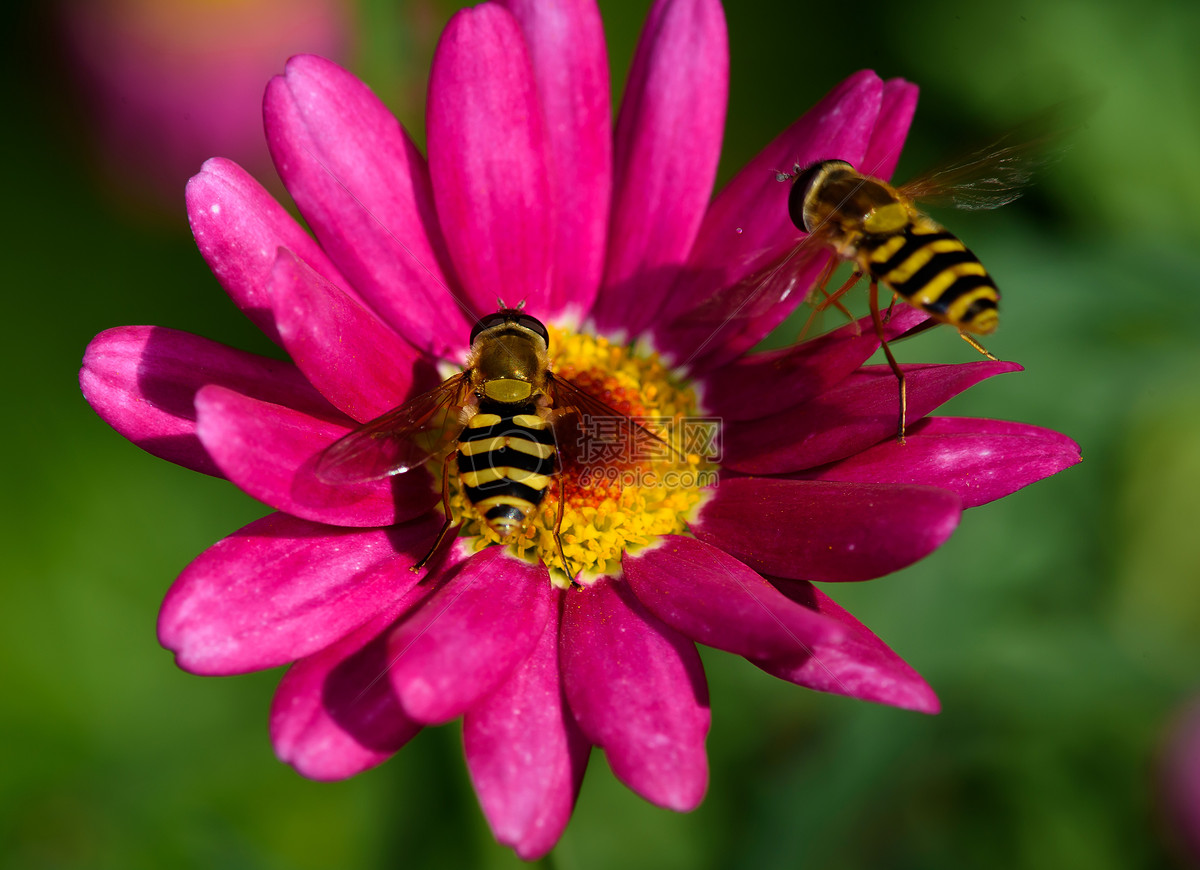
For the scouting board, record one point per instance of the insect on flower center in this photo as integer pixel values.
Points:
(624, 478)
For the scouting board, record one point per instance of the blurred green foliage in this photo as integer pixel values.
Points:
(1059, 626)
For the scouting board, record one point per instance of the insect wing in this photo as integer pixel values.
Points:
(402, 439)
(790, 275)
(589, 431)
(999, 172)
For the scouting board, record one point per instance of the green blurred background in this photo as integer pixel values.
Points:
(1059, 626)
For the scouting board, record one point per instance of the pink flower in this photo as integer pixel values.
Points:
(528, 194)
(169, 82)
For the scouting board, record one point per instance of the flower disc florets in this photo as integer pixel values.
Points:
(621, 492)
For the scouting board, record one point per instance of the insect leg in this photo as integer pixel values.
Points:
(826, 274)
(437, 542)
(979, 347)
(830, 299)
(833, 300)
(896, 370)
(562, 500)
(887, 316)
(812, 315)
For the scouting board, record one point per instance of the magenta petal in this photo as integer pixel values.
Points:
(860, 411)
(570, 62)
(747, 224)
(466, 639)
(980, 460)
(860, 665)
(895, 115)
(283, 588)
(143, 380)
(488, 161)
(238, 226)
(716, 600)
(334, 713)
(356, 361)
(637, 689)
(668, 140)
(526, 754)
(818, 530)
(763, 383)
(271, 453)
(747, 227)
(364, 189)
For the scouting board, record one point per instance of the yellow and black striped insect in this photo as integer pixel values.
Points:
(880, 229)
(503, 413)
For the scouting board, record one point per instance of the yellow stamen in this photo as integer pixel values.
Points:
(623, 502)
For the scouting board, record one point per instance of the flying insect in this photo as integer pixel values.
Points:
(881, 230)
(501, 416)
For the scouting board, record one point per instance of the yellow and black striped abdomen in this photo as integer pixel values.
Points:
(935, 272)
(506, 458)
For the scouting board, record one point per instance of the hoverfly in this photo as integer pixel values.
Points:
(506, 413)
(882, 232)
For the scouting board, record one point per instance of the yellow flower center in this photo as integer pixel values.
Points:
(619, 491)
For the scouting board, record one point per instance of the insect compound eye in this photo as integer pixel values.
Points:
(488, 321)
(803, 185)
(534, 325)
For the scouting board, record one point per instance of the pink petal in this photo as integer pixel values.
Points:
(818, 530)
(468, 637)
(860, 411)
(283, 588)
(334, 713)
(895, 116)
(668, 140)
(488, 161)
(525, 753)
(570, 63)
(748, 227)
(980, 460)
(364, 189)
(238, 226)
(637, 689)
(357, 362)
(860, 665)
(764, 383)
(142, 380)
(715, 600)
(755, 202)
(271, 453)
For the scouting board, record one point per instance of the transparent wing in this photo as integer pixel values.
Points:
(999, 172)
(790, 274)
(402, 439)
(589, 430)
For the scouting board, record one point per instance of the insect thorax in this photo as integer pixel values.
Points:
(509, 367)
